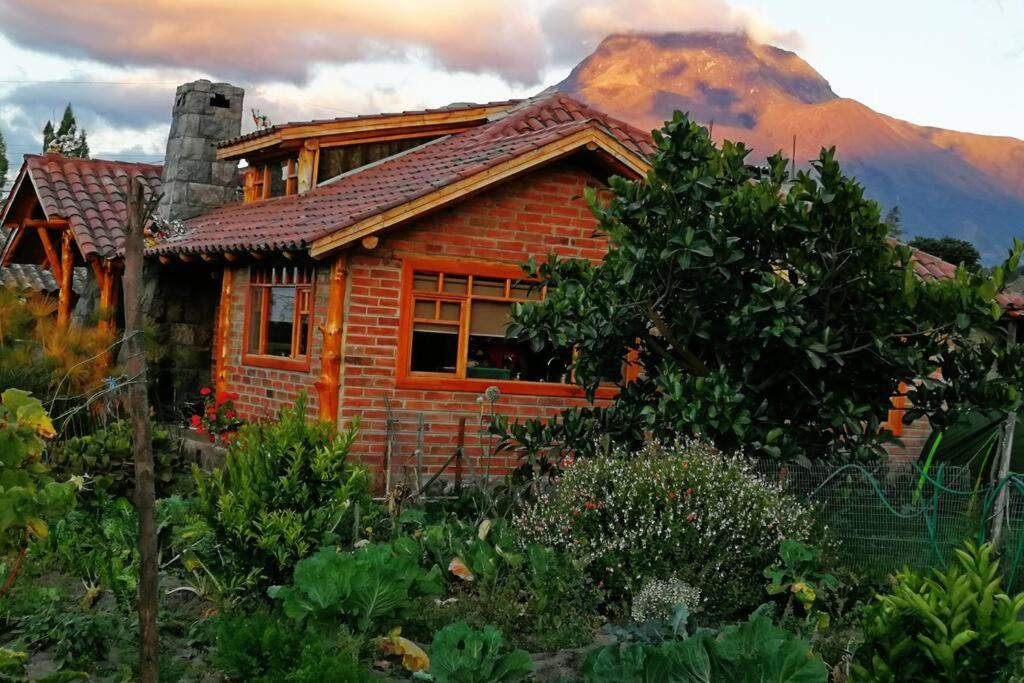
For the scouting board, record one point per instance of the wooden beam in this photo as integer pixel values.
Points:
(51, 223)
(51, 253)
(230, 256)
(11, 244)
(222, 337)
(67, 268)
(414, 122)
(328, 384)
(475, 183)
(164, 259)
(370, 242)
(256, 255)
(307, 166)
(187, 258)
(209, 258)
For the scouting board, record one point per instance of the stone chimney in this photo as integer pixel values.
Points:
(193, 180)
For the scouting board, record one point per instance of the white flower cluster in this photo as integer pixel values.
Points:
(644, 514)
(658, 599)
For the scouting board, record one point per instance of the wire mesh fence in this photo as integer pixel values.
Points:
(896, 515)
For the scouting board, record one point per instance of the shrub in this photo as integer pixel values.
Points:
(366, 587)
(285, 488)
(106, 457)
(461, 654)
(265, 646)
(658, 599)
(956, 625)
(755, 650)
(542, 604)
(684, 511)
(97, 544)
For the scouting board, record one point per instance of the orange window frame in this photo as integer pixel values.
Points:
(458, 381)
(303, 280)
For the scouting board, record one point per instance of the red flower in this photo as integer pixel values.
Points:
(200, 430)
(590, 505)
(196, 420)
(222, 397)
(205, 391)
(672, 495)
(689, 492)
(689, 517)
(229, 414)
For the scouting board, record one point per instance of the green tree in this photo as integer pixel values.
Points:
(66, 138)
(951, 249)
(894, 219)
(766, 311)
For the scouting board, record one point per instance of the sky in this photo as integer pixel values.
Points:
(950, 63)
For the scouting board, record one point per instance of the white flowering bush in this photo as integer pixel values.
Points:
(683, 510)
(658, 599)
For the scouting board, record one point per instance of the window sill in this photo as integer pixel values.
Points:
(277, 363)
(511, 387)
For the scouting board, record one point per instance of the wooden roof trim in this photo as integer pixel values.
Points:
(414, 122)
(592, 138)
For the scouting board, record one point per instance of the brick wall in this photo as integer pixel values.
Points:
(264, 391)
(530, 216)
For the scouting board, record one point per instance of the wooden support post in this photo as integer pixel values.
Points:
(307, 166)
(51, 253)
(138, 402)
(67, 267)
(328, 385)
(223, 335)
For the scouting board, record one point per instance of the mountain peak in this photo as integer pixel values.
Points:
(945, 183)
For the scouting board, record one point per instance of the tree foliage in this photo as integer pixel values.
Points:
(766, 311)
(4, 167)
(66, 137)
(951, 249)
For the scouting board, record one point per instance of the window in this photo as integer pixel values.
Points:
(273, 179)
(279, 316)
(453, 331)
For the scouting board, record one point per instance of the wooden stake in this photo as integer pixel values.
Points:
(1006, 453)
(459, 450)
(223, 335)
(138, 406)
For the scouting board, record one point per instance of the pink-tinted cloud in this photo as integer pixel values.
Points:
(264, 40)
(257, 41)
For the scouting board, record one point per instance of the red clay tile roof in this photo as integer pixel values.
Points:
(89, 193)
(294, 222)
(930, 267)
(455, 106)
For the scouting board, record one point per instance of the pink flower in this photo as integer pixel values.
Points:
(205, 391)
(689, 517)
(196, 420)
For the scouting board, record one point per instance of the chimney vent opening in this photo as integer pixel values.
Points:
(218, 100)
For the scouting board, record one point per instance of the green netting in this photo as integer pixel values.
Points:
(893, 515)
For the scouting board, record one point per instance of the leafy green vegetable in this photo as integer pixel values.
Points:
(460, 654)
(368, 586)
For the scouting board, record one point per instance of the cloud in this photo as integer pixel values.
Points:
(270, 40)
(575, 27)
(262, 41)
(121, 105)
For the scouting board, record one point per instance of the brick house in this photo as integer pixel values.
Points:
(369, 261)
(374, 261)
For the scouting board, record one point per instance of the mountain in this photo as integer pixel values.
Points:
(944, 182)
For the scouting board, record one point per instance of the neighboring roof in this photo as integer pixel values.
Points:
(34, 278)
(89, 193)
(554, 123)
(930, 267)
(465, 112)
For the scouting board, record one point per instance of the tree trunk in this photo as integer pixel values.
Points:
(138, 406)
(1005, 454)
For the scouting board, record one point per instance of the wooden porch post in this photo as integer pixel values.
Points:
(222, 336)
(67, 267)
(330, 365)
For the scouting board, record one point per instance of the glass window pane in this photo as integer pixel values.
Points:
(450, 310)
(425, 308)
(303, 336)
(425, 282)
(281, 323)
(255, 319)
(526, 290)
(455, 284)
(435, 348)
(489, 318)
(488, 287)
